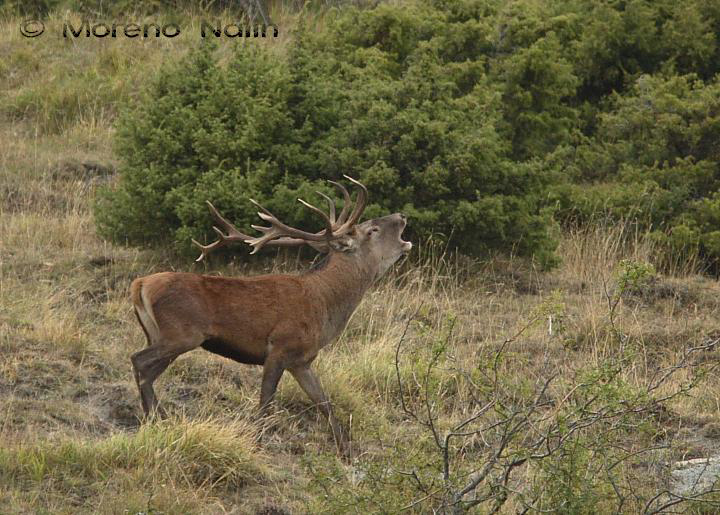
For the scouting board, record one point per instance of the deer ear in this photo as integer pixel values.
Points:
(345, 243)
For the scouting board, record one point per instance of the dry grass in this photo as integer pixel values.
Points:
(69, 408)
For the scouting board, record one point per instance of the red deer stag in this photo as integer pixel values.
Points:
(278, 321)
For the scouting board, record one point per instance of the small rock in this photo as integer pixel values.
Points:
(692, 477)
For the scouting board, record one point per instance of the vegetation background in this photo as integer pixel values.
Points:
(550, 346)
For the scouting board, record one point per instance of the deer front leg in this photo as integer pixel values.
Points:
(272, 372)
(308, 381)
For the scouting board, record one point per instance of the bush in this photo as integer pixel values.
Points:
(195, 137)
(654, 159)
(481, 121)
(422, 129)
(472, 437)
(420, 132)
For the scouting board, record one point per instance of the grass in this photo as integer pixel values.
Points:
(197, 456)
(69, 407)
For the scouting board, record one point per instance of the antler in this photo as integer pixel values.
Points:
(346, 200)
(280, 234)
(233, 235)
(358, 209)
(278, 229)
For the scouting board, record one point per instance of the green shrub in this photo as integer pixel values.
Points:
(654, 159)
(420, 127)
(420, 132)
(481, 120)
(201, 133)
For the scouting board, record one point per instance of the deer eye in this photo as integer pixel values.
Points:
(374, 229)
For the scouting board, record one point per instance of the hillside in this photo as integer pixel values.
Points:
(572, 389)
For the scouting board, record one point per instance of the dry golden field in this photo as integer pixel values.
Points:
(580, 386)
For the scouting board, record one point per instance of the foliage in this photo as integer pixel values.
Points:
(196, 137)
(653, 158)
(567, 440)
(424, 141)
(484, 121)
(634, 276)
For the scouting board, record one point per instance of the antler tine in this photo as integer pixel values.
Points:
(346, 204)
(328, 223)
(331, 206)
(207, 249)
(269, 233)
(358, 208)
(233, 234)
(259, 242)
(280, 234)
(261, 208)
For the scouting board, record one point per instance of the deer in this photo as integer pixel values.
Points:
(277, 321)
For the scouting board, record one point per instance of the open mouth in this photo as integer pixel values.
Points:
(406, 245)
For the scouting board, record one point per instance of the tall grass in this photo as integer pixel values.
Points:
(598, 248)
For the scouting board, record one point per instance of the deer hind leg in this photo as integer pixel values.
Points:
(148, 364)
(308, 381)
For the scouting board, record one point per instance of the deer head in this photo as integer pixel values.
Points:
(376, 243)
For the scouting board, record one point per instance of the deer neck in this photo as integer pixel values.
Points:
(341, 283)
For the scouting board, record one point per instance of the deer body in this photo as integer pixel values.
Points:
(242, 318)
(278, 321)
